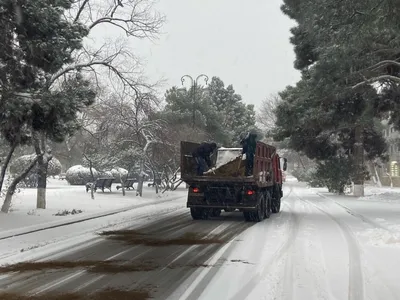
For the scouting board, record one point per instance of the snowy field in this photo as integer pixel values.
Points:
(321, 246)
(63, 197)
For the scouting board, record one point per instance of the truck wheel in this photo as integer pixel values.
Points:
(268, 205)
(258, 214)
(276, 202)
(199, 213)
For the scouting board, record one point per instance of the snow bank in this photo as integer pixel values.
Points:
(381, 238)
(291, 178)
(383, 196)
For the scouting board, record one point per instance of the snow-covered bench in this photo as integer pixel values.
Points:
(100, 183)
(155, 181)
(128, 184)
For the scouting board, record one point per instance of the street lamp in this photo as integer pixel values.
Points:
(193, 87)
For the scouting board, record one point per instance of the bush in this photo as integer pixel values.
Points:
(106, 174)
(20, 164)
(117, 173)
(335, 173)
(80, 175)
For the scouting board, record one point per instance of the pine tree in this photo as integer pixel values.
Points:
(37, 42)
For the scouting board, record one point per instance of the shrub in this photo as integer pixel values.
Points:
(80, 175)
(119, 172)
(335, 173)
(20, 164)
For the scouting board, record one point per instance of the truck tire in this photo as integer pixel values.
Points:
(276, 201)
(199, 213)
(258, 214)
(268, 205)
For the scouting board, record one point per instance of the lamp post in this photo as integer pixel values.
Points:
(193, 87)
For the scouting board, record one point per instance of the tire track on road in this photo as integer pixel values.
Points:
(376, 268)
(283, 249)
(197, 287)
(356, 281)
(358, 215)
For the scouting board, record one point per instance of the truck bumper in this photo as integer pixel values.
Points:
(243, 203)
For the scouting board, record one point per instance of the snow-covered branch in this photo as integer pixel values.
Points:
(376, 79)
(124, 78)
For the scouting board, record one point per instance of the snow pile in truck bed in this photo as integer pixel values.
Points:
(226, 155)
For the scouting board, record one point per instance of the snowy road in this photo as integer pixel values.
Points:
(314, 249)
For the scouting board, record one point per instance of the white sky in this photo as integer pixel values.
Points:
(244, 42)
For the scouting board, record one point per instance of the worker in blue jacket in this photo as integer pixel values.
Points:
(202, 155)
(249, 144)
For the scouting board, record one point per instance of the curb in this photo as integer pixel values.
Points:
(7, 235)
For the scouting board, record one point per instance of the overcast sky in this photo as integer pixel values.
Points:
(244, 42)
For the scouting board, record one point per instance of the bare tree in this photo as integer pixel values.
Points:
(136, 19)
(266, 114)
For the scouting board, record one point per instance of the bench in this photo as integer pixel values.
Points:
(128, 184)
(62, 176)
(155, 181)
(100, 183)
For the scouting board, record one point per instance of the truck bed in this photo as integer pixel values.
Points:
(232, 172)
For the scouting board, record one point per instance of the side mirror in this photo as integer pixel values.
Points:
(285, 164)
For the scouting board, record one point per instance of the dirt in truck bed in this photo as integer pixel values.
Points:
(234, 168)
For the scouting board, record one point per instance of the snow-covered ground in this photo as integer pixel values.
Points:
(379, 206)
(63, 197)
(316, 248)
(321, 246)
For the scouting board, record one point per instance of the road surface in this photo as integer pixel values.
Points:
(311, 250)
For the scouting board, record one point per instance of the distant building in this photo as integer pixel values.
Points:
(392, 168)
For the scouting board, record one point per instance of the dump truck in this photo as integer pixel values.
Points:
(225, 187)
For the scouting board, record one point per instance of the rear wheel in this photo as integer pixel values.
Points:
(268, 204)
(276, 200)
(257, 215)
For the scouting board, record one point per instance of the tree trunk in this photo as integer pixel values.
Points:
(43, 163)
(389, 174)
(301, 161)
(139, 191)
(122, 184)
(5, 165)
(11, 189)
(378, 179)
(359, 162)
